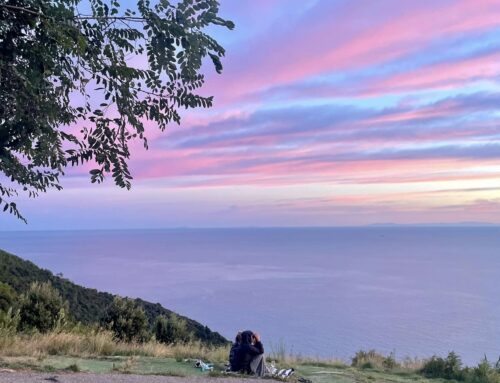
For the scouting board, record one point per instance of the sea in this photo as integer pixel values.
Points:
(319, 292)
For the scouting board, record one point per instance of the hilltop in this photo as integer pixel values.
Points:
(87, 305)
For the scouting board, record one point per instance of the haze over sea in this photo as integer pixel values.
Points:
(325, 292)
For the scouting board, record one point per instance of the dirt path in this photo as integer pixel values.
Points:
(82, 377)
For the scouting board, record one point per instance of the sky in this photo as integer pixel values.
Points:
(327, 113)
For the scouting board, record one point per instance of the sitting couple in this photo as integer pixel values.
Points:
(247, 354)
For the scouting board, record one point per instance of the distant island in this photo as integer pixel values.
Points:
(437, 224)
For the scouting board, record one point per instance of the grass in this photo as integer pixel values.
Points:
(97, 351)
(283, 355)
(101, 343)
(147, 365)
(121, 364)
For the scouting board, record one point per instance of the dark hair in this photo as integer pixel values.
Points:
(238, 338)
(246, 337)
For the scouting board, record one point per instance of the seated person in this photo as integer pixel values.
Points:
(250, 355)
(233, 363)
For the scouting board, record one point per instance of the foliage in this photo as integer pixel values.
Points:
(42, 308)
(161, 329)
(111, 72)
(8, 297)
(447, 368)
(373, 359)
(172, 330)
(92, 344)
(98, 342)
(451, 368)
(127, 320)
(484, 372)
(87, 305)
(9, 322)
(389, 362)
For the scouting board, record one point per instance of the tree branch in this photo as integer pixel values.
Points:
(16, 8)
(84, 17)
(127, 18)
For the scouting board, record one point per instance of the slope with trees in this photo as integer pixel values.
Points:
(86, 305)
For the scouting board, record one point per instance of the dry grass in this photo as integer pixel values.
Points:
(281, 354)
(98, 343)
(374, 360)
(95, 343)
(197, 350)
(412, 364)
(319, 362)
(101, 343)
(127, 366)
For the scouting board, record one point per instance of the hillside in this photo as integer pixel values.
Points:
(86, 305)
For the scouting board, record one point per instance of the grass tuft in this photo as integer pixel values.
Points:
(74, 367)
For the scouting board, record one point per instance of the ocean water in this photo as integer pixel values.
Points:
(320, 292)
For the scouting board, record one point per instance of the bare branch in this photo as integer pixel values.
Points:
(16, 8)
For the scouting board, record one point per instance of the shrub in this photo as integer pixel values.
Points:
(483, 373)
(434, 367)
(9, 322)
(8, 297)
(446, 368)
(42, 308)
(373, 359)
(483, 368)
(127, 320)
(172, 330)
(451, 368)
(160, 329)
(389, 361)
(412, 364)
(73, 367)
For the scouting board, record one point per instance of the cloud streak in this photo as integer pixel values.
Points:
(336, 112)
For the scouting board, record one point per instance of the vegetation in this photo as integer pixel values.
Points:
(8, 297)
(38, 327)
(42, 308)
(127, 320)
(9, 323)
(374, 360)
(86, 349)
(122, 364)
(60, 68)
(89, 342)
(171, 330)
(88, 305)
(446, 368)
(450, 368)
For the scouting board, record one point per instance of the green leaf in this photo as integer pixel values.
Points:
(50, 93)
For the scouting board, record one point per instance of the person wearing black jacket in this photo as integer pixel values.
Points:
(232, 353)
(249, 356)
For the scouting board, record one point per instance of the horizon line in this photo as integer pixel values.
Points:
(366, 226)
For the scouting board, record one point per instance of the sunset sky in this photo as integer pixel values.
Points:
(327, 113)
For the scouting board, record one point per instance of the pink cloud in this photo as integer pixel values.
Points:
(441, 76)
(334, 43)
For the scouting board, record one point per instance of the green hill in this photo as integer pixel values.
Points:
(86, 305)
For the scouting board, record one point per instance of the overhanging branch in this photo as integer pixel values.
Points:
(84, 17)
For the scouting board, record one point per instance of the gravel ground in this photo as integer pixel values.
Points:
(38, 377)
